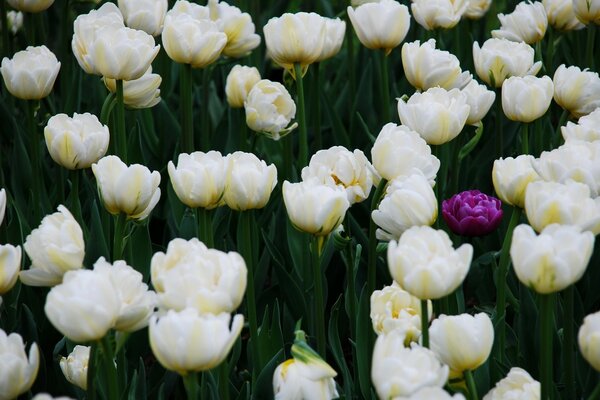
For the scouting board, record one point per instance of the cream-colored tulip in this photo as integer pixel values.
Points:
(46, 396)
(87, 27)
(400, 371)
(75, 366)
(511, 177)
(14, 21)
(30, 6)
(270, 109)
(527, 23)
(191, 275)
(249, 182)
(335, 29)
(54, 247)
(187, 341)
(356, 3)
(84, 306)
(576, 91)
(143, 92)
(433, 14)
(574, 161)
(338, 166)
(314, 207)
(199, 178)
(587, 129)
(10, 265)
(554, 259)
(480, 99)
(526, 98)
(497, 59)
(399, 152)
(431, 393)
(240, 81)
(76, 142)
(31, 73)
(438, 115)
(238, 26)
(380, 25)
(518, 384)
(476, 9)
(463, 342)
(426, 265)
(130, 190)
(587, 11)
(589, 339)
(282, 38)
(408, 202)
(145, 15)
(393, 308)
(2, 204)
(561, 16)
(137, 302)
(426, 67)
(556, 203)
(190, 37)
(17, 370)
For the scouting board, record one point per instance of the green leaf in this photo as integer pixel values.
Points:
(336, 347)
(363, 343)
(264, 383)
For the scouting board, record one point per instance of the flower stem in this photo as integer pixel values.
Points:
(187, 122)
(35, 158)
(111, 371)
(91, 372)
(118, 239)
(204, 117)
(384, 88)
(424, 324)
(499, 138)
(224, 381)
(205, 227)
(316, 244)
(317, 100)
(550, 51)
(568, 347)
(501, 283)
(120, 133)
(525, 138)
(372, 256)
(74, 196)
(546, 360)
(190, 381)
(288, 156)
(303, 149)
(471, 385)
(596, 393)
(591, 35)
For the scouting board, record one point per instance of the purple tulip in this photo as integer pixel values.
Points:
(472, 213)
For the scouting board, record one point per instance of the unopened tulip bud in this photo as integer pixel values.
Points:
(587, 11)
(476, 9)
(75, 366)
(576, 91)
(527, 98)
(480, 99)
(240, 81)
(19, 370)
(518, 384)
(335, 30)
(589, 339)
(143, 92)
(10, 265)
(249, 182)
(2, 204)
(561, 16)
(511, 177)
(270, 109)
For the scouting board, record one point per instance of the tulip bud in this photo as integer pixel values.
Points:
(313, 207)
(240, 81)
(518, 384)
(249, 182)
(238, 26)
(498, 59)
(187, 341)
(380, 25)
(432, 393)
(84, 306)
(576, 91)
(145, 15)
(399, 152)
(335, 29)
(511, 177)
(477, 8)
(30, 6)
(426, 67)
(190, 37)
(2, 204)
(269, 109)
(433, 14)
(282, 34)
(480, 99)
(14, 21)
(463, 342)
(54, 247)
(10, 265)
(25, 82)
(587, 11)
(437, 115)
(337, 166)
(527, 23)
(587, 128)
(554, 259)
(75, 366)
(589, 340)
(400, 371)
(408, 202)
(426, 265)
(527, 98)
(472, 213)
(77, 142)
(143, 92)
(190, 275)
(131, 190)
(19, 371)
(46, 396)
(567, 204)
(393, 308)
(561, 16)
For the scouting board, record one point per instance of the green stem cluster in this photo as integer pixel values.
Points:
(109, 365)
(205, 229)
(185, 93)
(190, 382)
(303, 146)
(372, 253)
(424, 324)
(316, 244)
(546, 361)
(121, 140)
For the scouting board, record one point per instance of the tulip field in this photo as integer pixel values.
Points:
(244, 199)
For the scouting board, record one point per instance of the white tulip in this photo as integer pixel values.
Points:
(31, 73)
(576, 91)
(480, 99)
(527, 23)
(240, 81)
(561, 16)
(526, 98)
(30, 6)
(587, 11)
(238, 26)
(269, 109)
(143, 92)
(2, 204)
(432, 14)
(10, 265)
(335, 29)
(75, 366)
(249, 183)
(518, 384)
(587, 129)
(17, 370)
(145, 15)
(589, 339)
(511, 177)
(477, 8)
